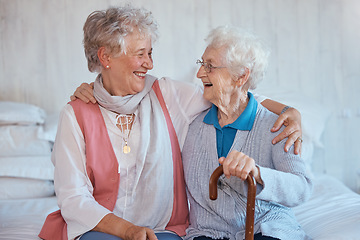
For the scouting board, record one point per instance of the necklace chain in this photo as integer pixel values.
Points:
(125, 122)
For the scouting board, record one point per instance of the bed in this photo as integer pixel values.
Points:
(27, 133)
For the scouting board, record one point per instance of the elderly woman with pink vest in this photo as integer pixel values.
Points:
(118, 169)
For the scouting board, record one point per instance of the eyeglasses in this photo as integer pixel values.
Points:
(207, 66)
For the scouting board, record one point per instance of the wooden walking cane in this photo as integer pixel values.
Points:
(250, 204)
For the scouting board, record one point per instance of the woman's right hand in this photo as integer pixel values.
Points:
(240, 165)
(85, 92)
(126, 230)
(139, 233)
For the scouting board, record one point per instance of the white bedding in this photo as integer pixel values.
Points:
(333, 213)
(23, 218)
(26, 171)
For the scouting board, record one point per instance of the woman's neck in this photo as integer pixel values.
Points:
(112, 87)
(228, 113)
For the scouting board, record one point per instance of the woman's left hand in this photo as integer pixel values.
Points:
(291, 118)
(84, 92)
(240, 165)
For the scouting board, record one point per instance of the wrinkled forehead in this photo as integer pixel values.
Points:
(138, 40)
(214, 55)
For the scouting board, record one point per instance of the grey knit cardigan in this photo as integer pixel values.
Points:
(286, 183)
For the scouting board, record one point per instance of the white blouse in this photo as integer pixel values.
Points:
(184, 102)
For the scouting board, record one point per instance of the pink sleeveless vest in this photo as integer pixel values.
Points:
(105, 187)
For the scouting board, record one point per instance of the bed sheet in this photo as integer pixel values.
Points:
(22, 219)
(332, 213)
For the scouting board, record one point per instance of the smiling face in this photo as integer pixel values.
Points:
(219, 86)
(126, 72)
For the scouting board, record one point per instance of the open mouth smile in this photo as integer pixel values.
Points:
(139, 74)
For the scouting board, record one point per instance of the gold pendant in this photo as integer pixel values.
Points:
(126, 149)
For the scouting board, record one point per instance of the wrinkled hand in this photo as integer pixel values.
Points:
(240, 165)
(291, 119)
(139, 233)
(84, 92)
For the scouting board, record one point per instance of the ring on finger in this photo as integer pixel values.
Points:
(299, 139)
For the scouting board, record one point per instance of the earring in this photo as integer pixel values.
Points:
(107, 66)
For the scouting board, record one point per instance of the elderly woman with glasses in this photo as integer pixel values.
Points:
(235, 132)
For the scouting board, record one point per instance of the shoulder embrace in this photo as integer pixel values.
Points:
(266, 117)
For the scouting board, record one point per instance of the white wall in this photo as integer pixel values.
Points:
(315, 56)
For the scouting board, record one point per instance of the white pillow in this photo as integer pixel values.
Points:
(37, 167)
(19, 188)
(19, 140)
(48, 132)
(20, 113)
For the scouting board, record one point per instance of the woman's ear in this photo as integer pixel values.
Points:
(104, 57)
(244, 77)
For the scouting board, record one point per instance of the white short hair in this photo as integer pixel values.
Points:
(241, 50)
(108, 28)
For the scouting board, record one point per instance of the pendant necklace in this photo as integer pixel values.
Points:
(125, 122)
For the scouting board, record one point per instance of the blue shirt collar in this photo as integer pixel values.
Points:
(244, 122)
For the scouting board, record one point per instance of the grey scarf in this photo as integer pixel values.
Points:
(118, 104)
(153, 187)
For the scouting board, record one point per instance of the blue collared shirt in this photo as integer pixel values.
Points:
(225, 135)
